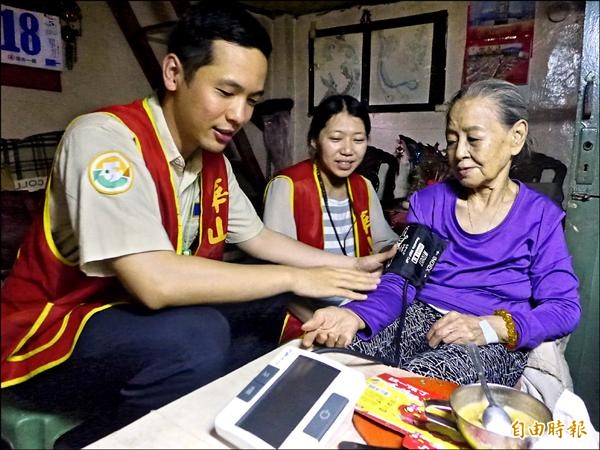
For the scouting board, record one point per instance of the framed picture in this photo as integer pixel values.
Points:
(392, 65)
(335, 63)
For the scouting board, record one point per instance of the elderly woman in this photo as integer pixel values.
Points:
(505, 281)
(322, 202)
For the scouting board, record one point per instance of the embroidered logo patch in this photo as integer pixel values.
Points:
(110, 173)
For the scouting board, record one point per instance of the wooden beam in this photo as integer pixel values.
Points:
(251, 167)
(180, 6)
(133, 32)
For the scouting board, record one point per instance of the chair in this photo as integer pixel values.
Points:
(22, 160)
(532, 172)
(380, 168)
(26, 428)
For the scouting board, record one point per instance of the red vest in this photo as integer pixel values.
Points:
(308, 213)
(46, 300)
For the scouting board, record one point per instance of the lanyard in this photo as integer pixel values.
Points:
(324, 192)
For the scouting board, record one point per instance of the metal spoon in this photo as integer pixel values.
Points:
(494, 418)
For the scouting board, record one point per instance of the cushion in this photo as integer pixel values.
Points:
(27, 162)
(25, 165)
(17, 211)
(547, 373)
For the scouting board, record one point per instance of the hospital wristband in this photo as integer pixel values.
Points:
(491, 337)
(513, 338)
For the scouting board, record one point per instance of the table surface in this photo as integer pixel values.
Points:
(188, 422)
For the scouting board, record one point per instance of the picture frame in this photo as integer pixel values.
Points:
(415, 84)
(335, 63)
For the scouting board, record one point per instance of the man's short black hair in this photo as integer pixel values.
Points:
(206, 21)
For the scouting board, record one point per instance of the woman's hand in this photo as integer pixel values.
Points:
(456, 328)
(332, 326)
(375, 263)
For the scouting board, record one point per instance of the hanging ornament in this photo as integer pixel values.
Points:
(70, 19)
(366, 16)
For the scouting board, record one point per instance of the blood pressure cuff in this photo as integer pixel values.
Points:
(419, 249)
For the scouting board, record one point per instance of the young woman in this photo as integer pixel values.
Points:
(322, 201)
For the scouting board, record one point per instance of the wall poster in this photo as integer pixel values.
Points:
(31, 39)
(499, 41)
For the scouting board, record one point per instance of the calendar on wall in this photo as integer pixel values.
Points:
(31, 39)
(499, 41)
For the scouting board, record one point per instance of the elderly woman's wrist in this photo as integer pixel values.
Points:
(360, 322)
(489, 333)
(510, 338)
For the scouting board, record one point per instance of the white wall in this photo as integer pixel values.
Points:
(423, 126)
(105, 73)
(554, 79)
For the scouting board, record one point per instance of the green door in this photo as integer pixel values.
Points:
(583, 219)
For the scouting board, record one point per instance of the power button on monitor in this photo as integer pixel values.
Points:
(323, 419)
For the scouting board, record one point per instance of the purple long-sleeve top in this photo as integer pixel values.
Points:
(523, 266)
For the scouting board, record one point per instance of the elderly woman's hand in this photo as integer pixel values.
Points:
(332, 326)
(456, 328)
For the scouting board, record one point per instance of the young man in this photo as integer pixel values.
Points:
(104, 309)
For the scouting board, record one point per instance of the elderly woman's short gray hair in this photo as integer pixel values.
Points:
(512, 107)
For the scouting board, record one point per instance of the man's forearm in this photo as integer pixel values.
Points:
(278, 248)
(160, 279)
(163, 278)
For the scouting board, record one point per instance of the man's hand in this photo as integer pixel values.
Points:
(375, 263)
(318, 282)
(332, 326)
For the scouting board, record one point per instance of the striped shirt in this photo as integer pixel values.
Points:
(342, 220)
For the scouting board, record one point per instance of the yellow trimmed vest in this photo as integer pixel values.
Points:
(47, 300)
(308, 215)
(308, 212)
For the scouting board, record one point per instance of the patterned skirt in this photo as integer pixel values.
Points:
(448, 361)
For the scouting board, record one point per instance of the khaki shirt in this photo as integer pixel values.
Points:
(90, 227)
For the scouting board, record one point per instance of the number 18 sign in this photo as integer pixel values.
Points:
(31, 39)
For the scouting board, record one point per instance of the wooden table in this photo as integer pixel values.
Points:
(188, 422)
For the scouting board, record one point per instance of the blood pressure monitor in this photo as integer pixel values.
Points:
(298, 400)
